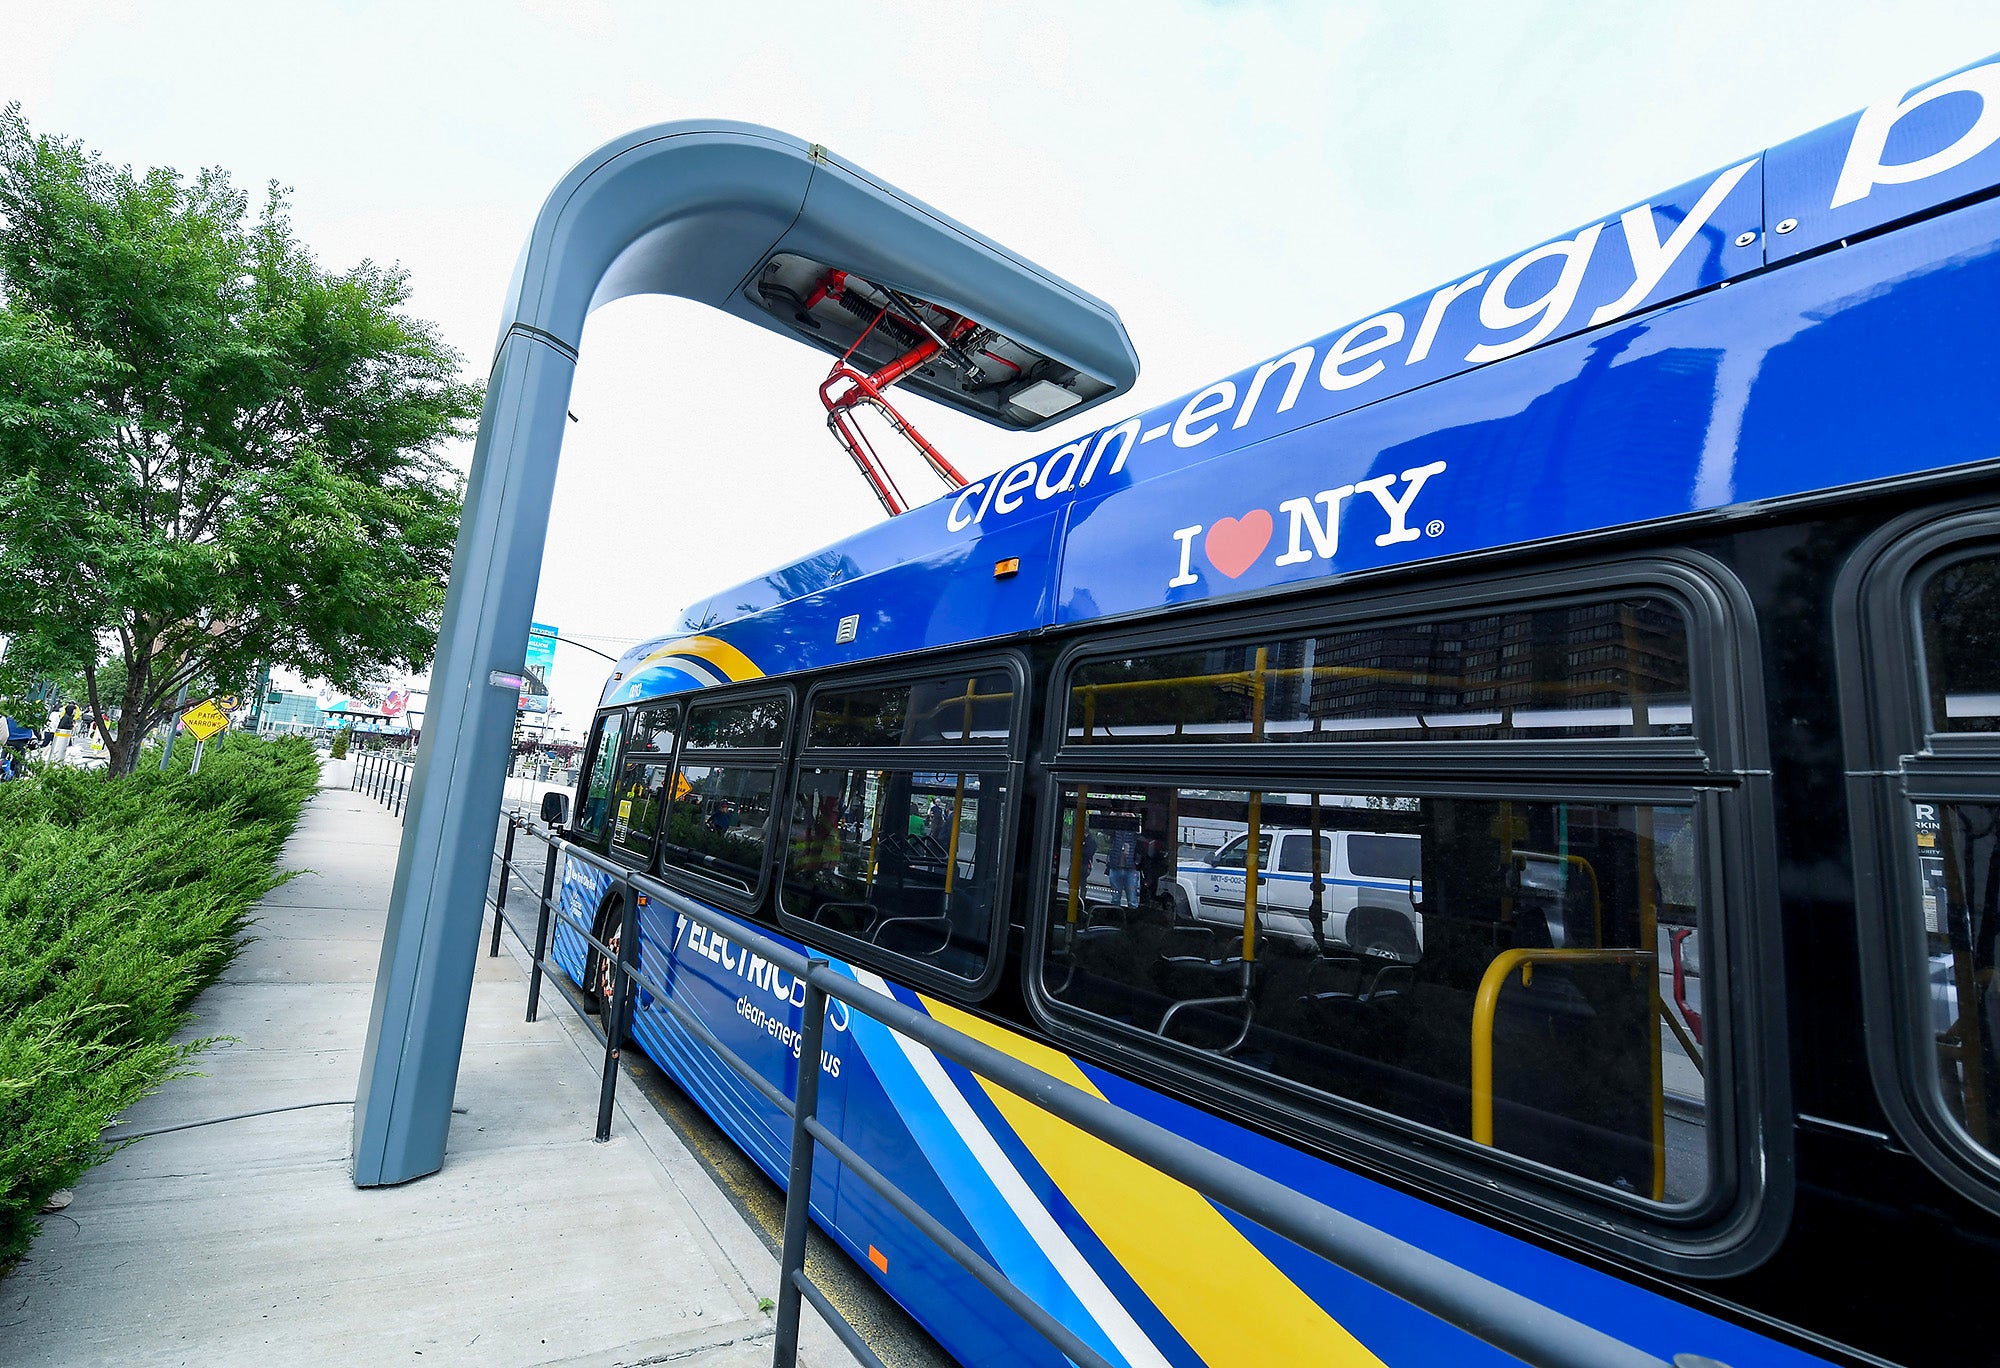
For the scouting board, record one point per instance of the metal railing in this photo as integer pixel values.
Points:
(1499, 1316)
(385, 778)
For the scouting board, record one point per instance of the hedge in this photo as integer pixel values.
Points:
(120, 900)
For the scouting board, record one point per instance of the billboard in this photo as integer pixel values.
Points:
(536, 668)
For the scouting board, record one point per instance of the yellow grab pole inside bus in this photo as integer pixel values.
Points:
(1487, 1003)
(1250, 860)
(1077, 872)
(875, 825)
(1319, 882)
(958, 800)
(1649, 936)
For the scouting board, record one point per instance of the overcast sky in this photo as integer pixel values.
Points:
(1233, 178)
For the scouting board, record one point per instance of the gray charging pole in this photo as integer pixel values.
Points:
(694, 210)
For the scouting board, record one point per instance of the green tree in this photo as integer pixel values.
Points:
(213, 452)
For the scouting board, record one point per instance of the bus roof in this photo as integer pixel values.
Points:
(1755, 334)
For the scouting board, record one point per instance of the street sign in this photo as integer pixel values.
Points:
(204, 720)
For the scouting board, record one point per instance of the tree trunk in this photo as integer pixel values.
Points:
(133, 720)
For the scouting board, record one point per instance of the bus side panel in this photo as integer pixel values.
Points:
(754, 1008)
(894, 1122)
(1142, 1268)
(1719, 400)
(1264, 1293)
(579, 890)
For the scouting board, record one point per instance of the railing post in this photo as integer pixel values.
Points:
(542, 930)
(619, 1006)
(500, 906)
(798, 1192)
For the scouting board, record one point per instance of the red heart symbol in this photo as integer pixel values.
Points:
(1233, 544)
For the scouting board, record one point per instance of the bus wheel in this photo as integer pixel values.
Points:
(598, 978)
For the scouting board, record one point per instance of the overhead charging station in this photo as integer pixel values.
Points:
(780, 233)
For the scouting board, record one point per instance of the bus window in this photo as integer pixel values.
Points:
(898, 838)
(596, 804)
(958, 710)
(640, 794)
(718, 822)
(905, 860)
(654, 730)
(1495, 969)
(1958, 855)
(758, 724)
(1958, 850)
(1961, 620)
(1611, 668)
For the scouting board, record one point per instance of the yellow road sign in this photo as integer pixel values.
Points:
(204, 720)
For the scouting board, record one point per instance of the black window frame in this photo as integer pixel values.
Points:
(601, 842)
(670, 759)
(1894, 761)
(1007, 760)
(775, 758)
(1722, 770)
(1596, 755)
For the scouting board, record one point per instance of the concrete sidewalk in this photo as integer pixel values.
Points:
(244, 1242)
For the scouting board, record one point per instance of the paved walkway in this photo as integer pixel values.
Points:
(244, 1242)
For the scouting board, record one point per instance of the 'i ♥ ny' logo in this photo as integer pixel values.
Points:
(1234, 544)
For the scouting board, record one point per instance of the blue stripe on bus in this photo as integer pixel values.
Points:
(1619, 1308)
(963, 1193)
(1150, 1318)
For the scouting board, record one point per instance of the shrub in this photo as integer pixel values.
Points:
(338, 750)
(120, 900)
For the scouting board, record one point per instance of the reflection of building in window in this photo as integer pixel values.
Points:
(1614, 666)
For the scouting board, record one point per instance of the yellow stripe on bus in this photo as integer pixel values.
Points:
(1231, 1304)
(732, 663)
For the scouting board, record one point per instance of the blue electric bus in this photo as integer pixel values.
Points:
(1522, 769)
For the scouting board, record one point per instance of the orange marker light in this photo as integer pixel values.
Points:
(878, 1258)
(1005, 569)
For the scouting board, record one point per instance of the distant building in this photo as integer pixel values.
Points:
(291, 712)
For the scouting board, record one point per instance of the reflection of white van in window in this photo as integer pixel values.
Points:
(1367, 881)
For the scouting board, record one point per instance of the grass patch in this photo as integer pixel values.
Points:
(120, 900)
